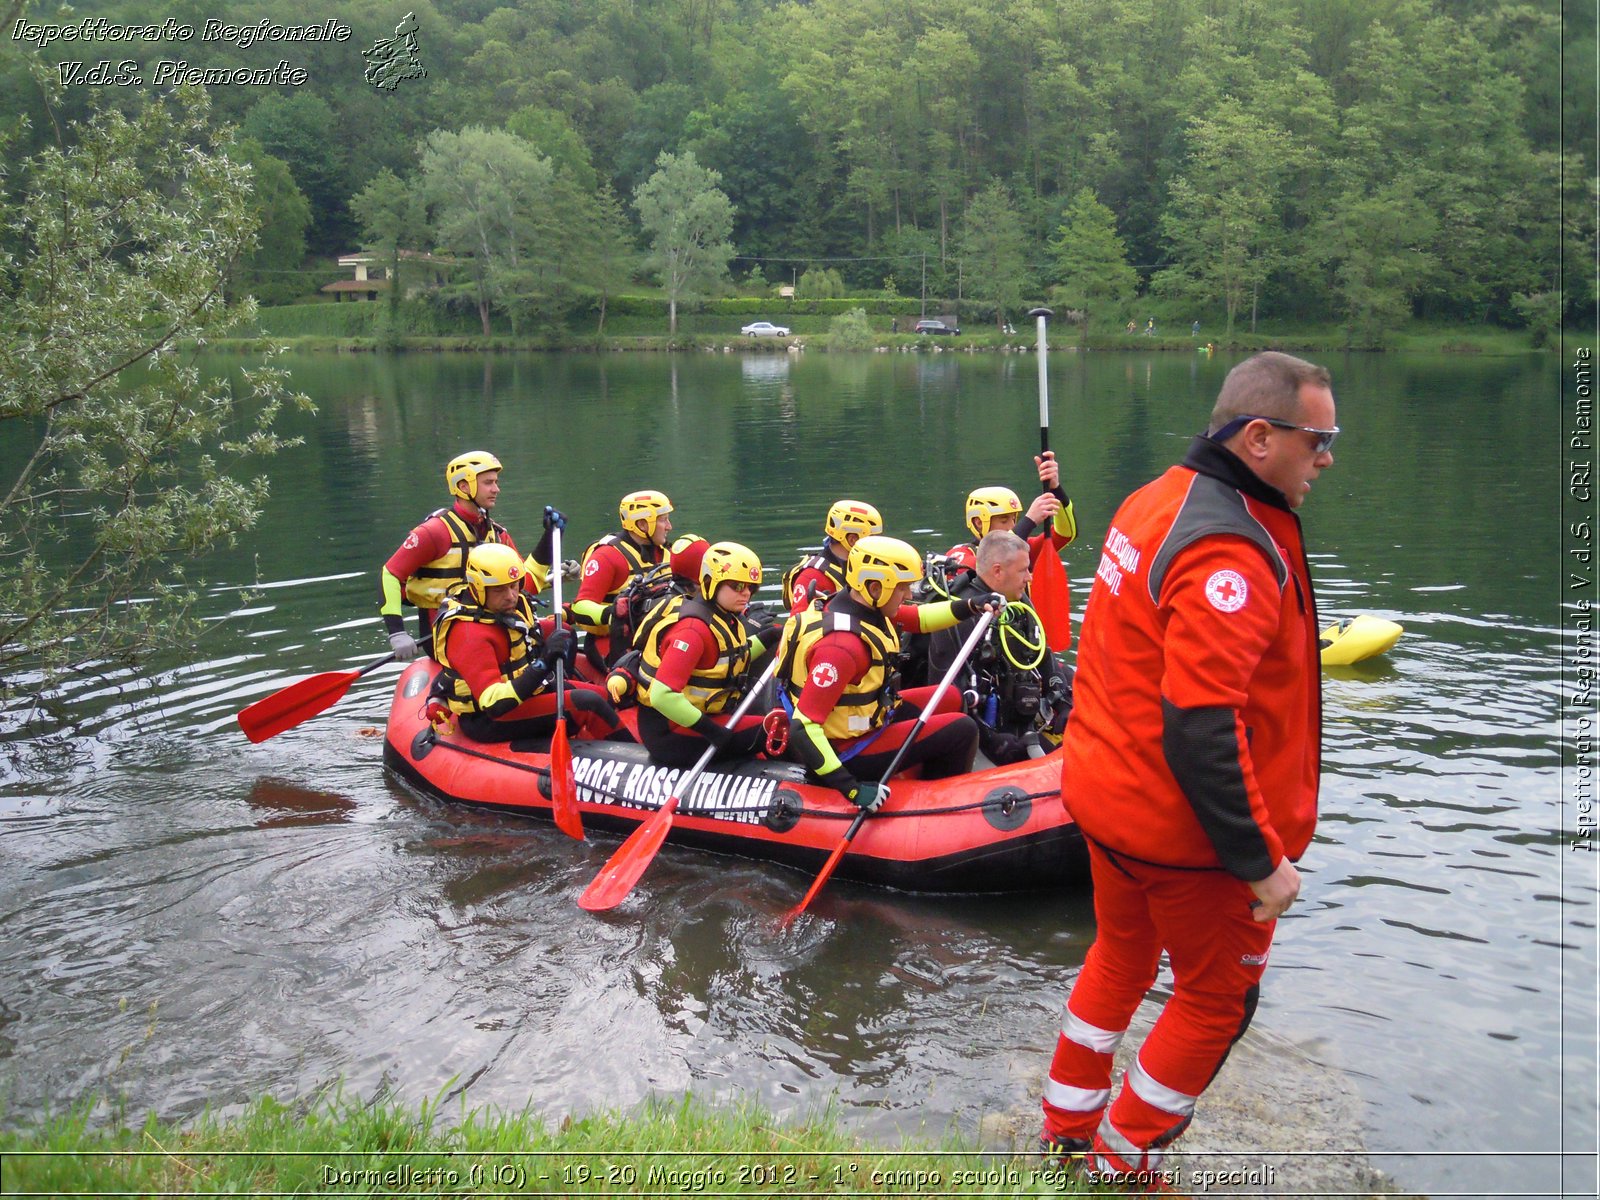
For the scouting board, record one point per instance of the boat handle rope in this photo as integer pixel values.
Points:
(823, 813)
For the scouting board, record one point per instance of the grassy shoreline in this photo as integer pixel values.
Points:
(339, 1145)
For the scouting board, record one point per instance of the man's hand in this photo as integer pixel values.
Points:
(1275, 893)
(561, 646)
(987, 602)
(1049, 469)
(554, 518)
(868, 796)
(404, 646)
(1044, 508)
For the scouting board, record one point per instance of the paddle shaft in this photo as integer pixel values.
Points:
(555, 559)
(960, 661)
(1041, 317)
(616, 879)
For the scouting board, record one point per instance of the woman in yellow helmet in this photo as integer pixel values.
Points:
(610, 563)
(838, 678)
(499, 660)
(433, 557)
(695, 654)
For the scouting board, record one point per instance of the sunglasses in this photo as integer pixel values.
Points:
(1325, 437)
(740, 585)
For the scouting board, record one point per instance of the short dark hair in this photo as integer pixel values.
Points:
(1266, 385)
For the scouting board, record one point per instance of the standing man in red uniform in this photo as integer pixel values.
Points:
(1191, 760)
(433, 558)
(610, 563)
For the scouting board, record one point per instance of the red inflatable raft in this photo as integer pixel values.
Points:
(1000, 829)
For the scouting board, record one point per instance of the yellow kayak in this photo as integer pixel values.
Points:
(1356, 639)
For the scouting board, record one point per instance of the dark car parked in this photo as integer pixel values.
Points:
(935, 327)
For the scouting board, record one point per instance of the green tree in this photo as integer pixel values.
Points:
(303, 130)
(130, 452)
(1376, 246)
(488, 196)
(1091, 263)
(688, 221)
(271, 272)
(850, 331)
(392, 219)
(994, 258)
(1222, 215)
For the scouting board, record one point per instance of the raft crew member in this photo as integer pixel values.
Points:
(1192, 760)
(433, 557)
(838, 678)
(696, 653)
(992, 508)
(499, 660)
(822, 574)
(610, 563)
(1022, 691)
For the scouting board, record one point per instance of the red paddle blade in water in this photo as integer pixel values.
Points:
(616, 879)
(563, 785)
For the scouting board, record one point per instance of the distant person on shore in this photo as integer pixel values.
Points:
(822, 574)
(1132, 327)
(1194, 330)
(1150, 327)
(610, 563)
(1191, 762)
(433, 557)
(499, 660)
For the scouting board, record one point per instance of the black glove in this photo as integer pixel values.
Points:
(770, 634)
(560, 646)
(554, 518)
(972, 604)
(868, 796)
(527, 682)
(712, 732)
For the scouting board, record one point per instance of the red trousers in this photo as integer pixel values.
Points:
(1218, 953)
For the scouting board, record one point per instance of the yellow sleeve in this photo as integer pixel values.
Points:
(674, 706)
(934, 617)
(1066, 522)
(393, 594)
(538, 572)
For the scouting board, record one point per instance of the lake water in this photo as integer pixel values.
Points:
(187, 919)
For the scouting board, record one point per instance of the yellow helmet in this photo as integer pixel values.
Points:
(461, 474)
(884, 560)
(639, 511)
(986, 503)
(728, 562)
(852, 516)
(491, 565)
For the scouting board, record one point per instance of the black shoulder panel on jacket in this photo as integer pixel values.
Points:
(1212, 507)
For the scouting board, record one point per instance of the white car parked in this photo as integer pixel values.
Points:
(764, 329)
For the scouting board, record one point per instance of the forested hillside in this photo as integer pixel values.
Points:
(1354, 160)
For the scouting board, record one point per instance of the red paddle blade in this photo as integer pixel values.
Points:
(822, 878)
(1052, 599)
(616, 879)
(564, 785)
(298, 702)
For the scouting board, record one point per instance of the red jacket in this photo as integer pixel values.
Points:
(1196, 728)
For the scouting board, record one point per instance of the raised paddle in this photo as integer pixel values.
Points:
(563, 784)
(1051, 591)
(284, 709)
(967, 647)
(617, 877)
